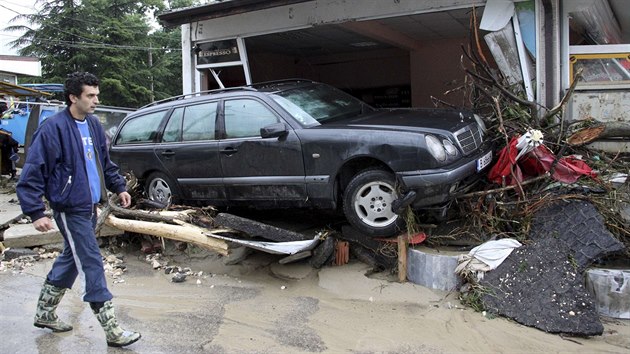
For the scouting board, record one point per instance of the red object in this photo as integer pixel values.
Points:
(413, 240)
(505, 164)
(568, 169)
(538, 161)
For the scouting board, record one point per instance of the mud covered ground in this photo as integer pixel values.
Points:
(261, 306)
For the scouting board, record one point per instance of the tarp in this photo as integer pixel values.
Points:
(9, 89)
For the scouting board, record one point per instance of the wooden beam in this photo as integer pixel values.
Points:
(184, 232)
(402, 258)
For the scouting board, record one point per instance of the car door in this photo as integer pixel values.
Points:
(189, 151)
(263, 171)
(133, 145)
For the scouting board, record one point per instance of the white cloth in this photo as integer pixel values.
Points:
(485, 257)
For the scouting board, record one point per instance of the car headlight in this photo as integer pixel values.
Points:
(435, 148)
(480, 123)
(449, 147)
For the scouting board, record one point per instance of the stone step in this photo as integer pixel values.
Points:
(434, 269)
(25, 235)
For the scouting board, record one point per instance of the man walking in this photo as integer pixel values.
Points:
(68, 164)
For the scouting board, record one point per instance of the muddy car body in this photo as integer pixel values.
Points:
(299, 143)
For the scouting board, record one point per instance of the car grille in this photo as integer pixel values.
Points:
(469, 138)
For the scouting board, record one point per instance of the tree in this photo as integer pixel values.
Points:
(113, 39)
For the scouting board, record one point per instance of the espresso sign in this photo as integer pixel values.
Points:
(217, 52)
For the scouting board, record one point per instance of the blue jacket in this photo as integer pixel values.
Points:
(55, 167)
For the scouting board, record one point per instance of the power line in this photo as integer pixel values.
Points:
(101, 45)
(4, 7)
(91, 43)
(20, 5)
(83, 21)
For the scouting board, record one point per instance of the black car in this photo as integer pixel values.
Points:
(299, 143)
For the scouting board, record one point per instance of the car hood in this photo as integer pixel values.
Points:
(417, 119)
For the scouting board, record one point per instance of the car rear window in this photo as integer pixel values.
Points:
(141, 129)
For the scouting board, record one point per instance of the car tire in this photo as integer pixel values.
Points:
(367, 203)
(160, 188)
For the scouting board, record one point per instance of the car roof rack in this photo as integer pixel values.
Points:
(276, 83)
(198, 93)
(252, 87)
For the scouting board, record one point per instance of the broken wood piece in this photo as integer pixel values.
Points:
(602, 130)
(183, 232)
(402, 258)
(342, 252)
(257, 229)
(103, 213)
(296, 257)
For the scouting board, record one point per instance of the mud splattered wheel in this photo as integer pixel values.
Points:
(161, 189)
(367, 203)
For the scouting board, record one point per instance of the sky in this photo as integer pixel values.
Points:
(8, 10)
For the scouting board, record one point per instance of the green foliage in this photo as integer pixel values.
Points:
(474, 297)
(522, 267)
(573, 262)
(113, 39)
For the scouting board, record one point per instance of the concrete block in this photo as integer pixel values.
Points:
(433, 269)
(611, 291)
(25, 235)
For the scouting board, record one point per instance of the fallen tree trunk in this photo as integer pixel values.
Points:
(183, 232)
(603, 130)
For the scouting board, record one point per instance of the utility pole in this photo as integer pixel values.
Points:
(152, 97)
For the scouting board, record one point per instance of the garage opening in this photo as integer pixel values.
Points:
(391, 62)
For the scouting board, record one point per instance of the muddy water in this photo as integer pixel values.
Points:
(260, 306)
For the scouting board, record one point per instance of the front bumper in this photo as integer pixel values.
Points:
(441, 185)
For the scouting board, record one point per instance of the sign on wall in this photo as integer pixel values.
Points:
(217, 52)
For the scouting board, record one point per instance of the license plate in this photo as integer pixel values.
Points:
(484, 161)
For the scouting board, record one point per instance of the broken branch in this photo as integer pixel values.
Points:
(183, 232)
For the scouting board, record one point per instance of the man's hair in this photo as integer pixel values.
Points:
(75, 82)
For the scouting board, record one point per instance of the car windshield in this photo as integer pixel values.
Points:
(319, 103)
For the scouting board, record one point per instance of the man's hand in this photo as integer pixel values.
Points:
(43, 224)
(125, 199)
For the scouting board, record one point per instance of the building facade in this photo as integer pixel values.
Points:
(412, 53)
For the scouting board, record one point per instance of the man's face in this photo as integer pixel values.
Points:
(88, 100)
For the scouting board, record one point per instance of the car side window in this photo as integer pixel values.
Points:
(245, 117)
(173, 129)
(199, 122)
(141, 129)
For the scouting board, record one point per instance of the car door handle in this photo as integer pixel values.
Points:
(229, 151)
(168, 153)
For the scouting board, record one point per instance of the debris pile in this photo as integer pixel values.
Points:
(114, 267)
(177, 273)
(566, 203)
(18, 259)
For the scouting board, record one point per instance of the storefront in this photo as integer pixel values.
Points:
(408, 52)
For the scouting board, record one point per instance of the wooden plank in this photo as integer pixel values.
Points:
(402, 258)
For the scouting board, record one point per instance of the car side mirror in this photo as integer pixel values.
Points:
(275, 130)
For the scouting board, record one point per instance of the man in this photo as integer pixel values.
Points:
(8, 153)
(68, 163)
